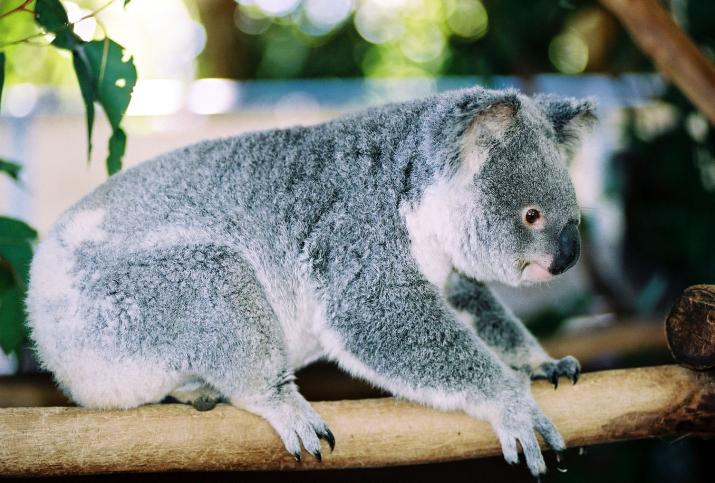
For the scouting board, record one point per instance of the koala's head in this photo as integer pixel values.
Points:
(505, 209)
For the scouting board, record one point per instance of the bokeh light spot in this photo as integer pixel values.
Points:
(467, 18)
(569, 53)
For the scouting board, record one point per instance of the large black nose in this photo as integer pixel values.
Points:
(569, 249)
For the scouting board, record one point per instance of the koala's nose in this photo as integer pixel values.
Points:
(569, 249)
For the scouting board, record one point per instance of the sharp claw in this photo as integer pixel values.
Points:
(318, 456)
(560, 460)
(327, 435)
(297, 457)
(554, 380)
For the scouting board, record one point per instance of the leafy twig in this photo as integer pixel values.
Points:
(20, 8)
(61, 29)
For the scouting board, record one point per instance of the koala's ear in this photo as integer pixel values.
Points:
(571, 119)
(489, 124)
(460, 126)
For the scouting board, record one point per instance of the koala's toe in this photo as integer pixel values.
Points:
(326, 435)
(570, 367)
(205, 403)
(553, 370)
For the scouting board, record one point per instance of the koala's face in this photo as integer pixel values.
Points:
(527, 215)
(517, 214)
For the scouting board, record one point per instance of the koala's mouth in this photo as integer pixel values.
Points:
(535, 271)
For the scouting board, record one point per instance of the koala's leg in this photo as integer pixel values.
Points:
(250, 367)
(505, 333)
(400, 335)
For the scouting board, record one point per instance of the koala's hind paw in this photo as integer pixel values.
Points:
(297, 424)
(552, 370)
(519, 423)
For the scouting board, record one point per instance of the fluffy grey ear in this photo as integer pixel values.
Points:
(492, 121)
(490, 124)
(571, 119)
(462, 125)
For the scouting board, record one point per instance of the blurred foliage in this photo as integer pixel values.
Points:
(666, 177)
(397, 38)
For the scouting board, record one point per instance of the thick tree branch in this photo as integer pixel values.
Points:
(602, 407)
(672, 51)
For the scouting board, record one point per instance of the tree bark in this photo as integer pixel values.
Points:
(671, 50)
(690, 328)
(603, 407)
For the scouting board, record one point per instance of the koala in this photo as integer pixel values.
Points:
(212, 273)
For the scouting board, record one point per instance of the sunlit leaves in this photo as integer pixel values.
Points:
(16, 240)
(105, 75)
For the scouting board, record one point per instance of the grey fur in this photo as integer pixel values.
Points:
(253, 222)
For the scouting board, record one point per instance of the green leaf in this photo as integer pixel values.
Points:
(51, 15)
(18, 254)
(115, 77)
(2, 73)
(117, 146)
(9, 168)
(12, 319)
(15, 230)
(126, 2)
(86, 87)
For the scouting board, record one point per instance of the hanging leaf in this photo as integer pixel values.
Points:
(11, 169)
(16, 248)
(114, 79)
(117, 146)
(52, 16)
(18, 254)
(12, 319)
(12, 229)
(15, 258)
(115, 76)
(2, 73)
(83, 72)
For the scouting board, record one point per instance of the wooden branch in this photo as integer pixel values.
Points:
(602, 407)
(622, 338)
(673, 53)
(690, 328)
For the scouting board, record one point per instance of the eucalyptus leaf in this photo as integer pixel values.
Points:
(12, 229)
(115, 77)
(11, 169)
(86, 86)
(12, 319)
(117, 146)
(2, 73)
(51, 15)
(19, 255)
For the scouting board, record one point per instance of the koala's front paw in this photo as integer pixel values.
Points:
(518, 420)
(551, 370)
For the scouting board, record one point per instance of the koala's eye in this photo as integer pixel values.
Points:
(532, 216)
